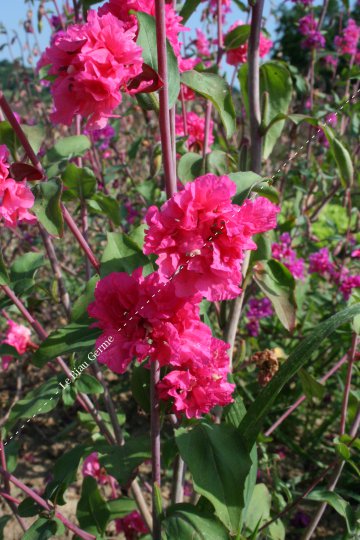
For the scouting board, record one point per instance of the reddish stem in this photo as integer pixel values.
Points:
(303, 397)
(164, 117)
(348, 384)
(39, 500)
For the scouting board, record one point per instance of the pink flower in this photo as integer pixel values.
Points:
(121, 9)
(348, 42)
(145, 319)
(4, 164)
(198, 387)
(92, 467)
(320, 262)
(131, 525)
(331, 60)
(308, 28)
(258, 308)
(356, 253)
(202, 44)
(92, 63)
(239, 55)
(283, 252)
(15, 200)
(201, 229)
(5, 361)
(17, 336)
(195, 130)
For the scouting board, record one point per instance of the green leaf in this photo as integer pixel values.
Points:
(12, 453)
(120, 508)
(147, 40)
(190, 166)
(216, 89)
(219, 464)
(72, 338)
(278, 284)
(311, 387)
(47, 206)
(69, 147)
(140, 386)
(87, 384)
(248, 182)
(107, 205)
(43, 529)
(35, 136)
(186, 522)
(92, 510)
(38, 401)
(4, 275)
(8, 137)
(251, 424)
(121, 254)
(277, 530)
(80, 182)
(29, 508)
(188, 9)
(79, 310)
(25, 266)
(3, 522)
(276, 82)
(342, 158)
(120, 461)
(340, 505)
(237, 37)
(259, 508)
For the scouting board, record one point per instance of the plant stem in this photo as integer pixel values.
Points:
(302, 398)
(164, 118)
(155, 443)
(332, 485)
(39, 500)
(254, 86)
(56, 268)
(7, 495)
(348, 383)
(36, 163)
(178, 481)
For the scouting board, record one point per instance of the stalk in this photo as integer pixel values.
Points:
(39, 500)
(155, 444)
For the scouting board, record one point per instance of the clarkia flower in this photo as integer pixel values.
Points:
(238, 56)
(201, 229)
(347, 43)
(131, 525)
(308, 28)
(92, 467)
(195, 130)
(258, 309)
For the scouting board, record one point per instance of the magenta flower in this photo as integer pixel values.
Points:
(202, 43)
(320, 262)
(308, 28)
(18, 336)
(131, 525)
(195, 130)
(197, 387)
(200, 228)
(92, 467)
(283, 252)
(238, 56)
(92, 63)
(258, 308)
(347, 43)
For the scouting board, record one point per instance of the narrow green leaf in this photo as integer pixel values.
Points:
(147, 40)
(4, 275)
(188, 9)
(72, 338)
(120, 461)
(216, 89)
(121, 254)
(3, 522)
(43, 529)
(92, 510)
(278, 284)
(79, 181)
(311, 387)
(87, 384)
(47, 206)
(251, 424)
(342, 158)
(340, 505)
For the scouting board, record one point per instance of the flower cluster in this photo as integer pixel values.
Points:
(347, 43)
(92, 63)
(199, 237)
(283, 252)
(131, 525)
(320, 263)
(15, 197)
(258, 309)
(308, 28)
(17, 336)
(238, 56)
(202, 43)
(195, 129)
(186, 226)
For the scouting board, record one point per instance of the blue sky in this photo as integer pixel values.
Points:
(13, 17)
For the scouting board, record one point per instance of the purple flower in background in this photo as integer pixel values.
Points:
(308, 28)
(300, 520)
(348, 42)
(258, 308)
(320, 262)
(282, 251)
(102, 136)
